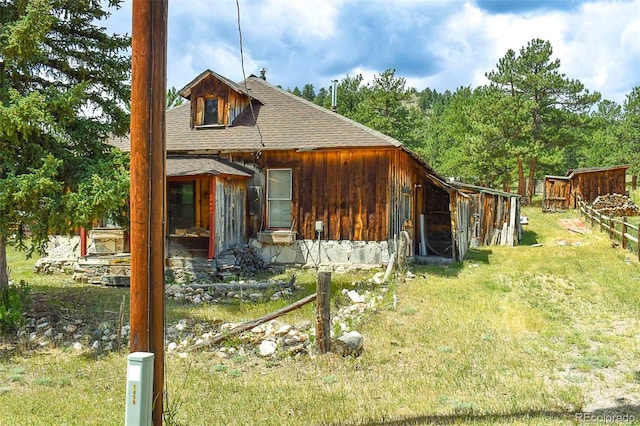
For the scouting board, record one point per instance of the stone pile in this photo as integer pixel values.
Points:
(273, 337)
(615, 205)
(61, 254)
(248, 260)
(73, 335)
(245, 291)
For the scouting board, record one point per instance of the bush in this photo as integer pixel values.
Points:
(11, 310)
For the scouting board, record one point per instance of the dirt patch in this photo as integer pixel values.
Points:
(574, 225)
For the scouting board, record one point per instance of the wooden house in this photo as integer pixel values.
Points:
(562, 192)
(250, 162)
(495, 216)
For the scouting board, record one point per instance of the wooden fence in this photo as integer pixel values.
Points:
(618, 229)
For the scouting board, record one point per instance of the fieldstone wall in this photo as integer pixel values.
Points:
(60, 255)
(343, 253)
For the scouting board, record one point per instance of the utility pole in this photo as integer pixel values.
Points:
(148, 98)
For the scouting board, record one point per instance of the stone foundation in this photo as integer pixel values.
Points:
(336, 253)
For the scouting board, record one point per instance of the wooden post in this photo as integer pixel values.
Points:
(611, 228)
(83, 242)
(624, 231)
(212, 218)
(148, 99)
(323, 312)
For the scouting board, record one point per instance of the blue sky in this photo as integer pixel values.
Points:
(440, 44)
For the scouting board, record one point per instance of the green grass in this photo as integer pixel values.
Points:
(524, 335)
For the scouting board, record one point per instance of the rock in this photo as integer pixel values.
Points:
(283, 330)
(172, 346)
(267, 348)
(49, 332)
(303, 325)
(348, 344)
(42, 325)
(77, 346)
(70, 328)
(256, 297)
(377, 278)
(355, 297)
(96, 345)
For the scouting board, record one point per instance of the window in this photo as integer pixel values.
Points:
(279, 198)
(406, 205)
(181, 201)
(208, 112)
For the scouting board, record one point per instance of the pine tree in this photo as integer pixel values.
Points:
(63, 90)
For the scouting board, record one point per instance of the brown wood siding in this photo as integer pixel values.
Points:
(230, 107)
(557, 193)
(357, 194)
(589, 185)
(230, 204)
(345, 189)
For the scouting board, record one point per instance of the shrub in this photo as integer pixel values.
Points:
(12, 309)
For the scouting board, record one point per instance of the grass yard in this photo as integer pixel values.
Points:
(524, 335)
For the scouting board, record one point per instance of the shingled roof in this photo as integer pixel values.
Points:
(285, 122)
(190, 166)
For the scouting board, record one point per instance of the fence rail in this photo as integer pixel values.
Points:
(608, 224)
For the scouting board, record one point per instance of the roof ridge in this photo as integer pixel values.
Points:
(374, 132)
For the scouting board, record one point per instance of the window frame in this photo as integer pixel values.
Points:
(269, 198)
(175, 206)
(200, 112)
(407, 201)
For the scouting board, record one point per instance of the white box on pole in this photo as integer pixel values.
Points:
(139, 389)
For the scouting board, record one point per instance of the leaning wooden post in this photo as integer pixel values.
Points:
(323, 312)
(624, 231)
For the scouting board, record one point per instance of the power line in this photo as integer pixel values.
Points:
(244, 77)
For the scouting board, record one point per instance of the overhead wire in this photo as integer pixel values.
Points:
(246, 88)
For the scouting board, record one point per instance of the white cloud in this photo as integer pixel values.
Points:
(437, 44)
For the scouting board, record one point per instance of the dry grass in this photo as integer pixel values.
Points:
(525, 335)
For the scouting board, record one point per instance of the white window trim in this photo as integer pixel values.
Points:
(269, 198)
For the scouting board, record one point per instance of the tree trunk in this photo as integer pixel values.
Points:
(522, 191)
(532, 178)
(634, 182)
(4, 276)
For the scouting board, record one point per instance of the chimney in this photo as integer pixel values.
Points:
(263, 74)
(334, 96)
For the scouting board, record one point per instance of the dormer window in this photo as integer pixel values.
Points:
(209, 112)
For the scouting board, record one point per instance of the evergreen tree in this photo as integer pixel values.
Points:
(63, 91)
(553, 103)
(308, 92)
(384, 106)
(630, 137)
(173, 98)
(321, 96)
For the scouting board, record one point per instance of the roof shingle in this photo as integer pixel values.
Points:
(285, 122)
